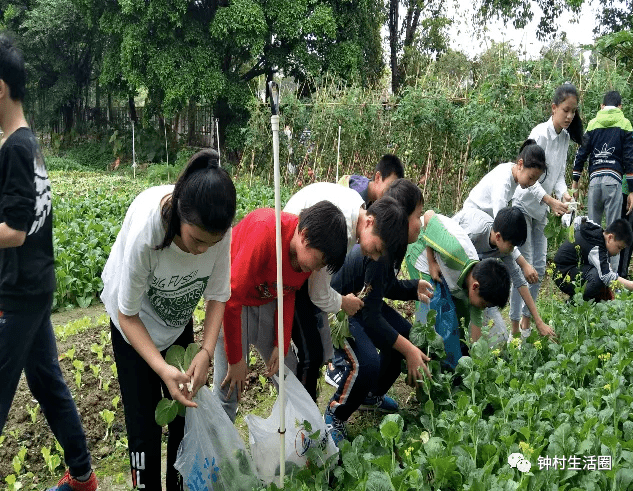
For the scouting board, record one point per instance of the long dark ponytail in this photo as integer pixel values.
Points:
(204, 195)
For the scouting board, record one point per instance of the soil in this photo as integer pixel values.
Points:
(109, 455)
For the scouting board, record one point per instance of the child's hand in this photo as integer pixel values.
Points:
(435, 271)
(199, 370)
(416, 359)
(558, 207)
(545, 330)
(174, 379)
(273, 363)
(236, 378)
(351, 304)
(425, 291)
(530, 274)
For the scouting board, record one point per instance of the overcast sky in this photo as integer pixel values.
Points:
(464, 39)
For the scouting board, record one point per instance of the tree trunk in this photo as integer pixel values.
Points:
(393, 44)
(191, 122)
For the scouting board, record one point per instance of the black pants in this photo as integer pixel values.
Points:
(141, 390)
(625, 255)
(27, 342)
(307, 339)
(589, 278)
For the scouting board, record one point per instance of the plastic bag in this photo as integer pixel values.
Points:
(446, 323)
(498, 330)
(212, 455)
(264, 435)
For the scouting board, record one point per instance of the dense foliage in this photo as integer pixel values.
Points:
(449, 128)
(568, 401)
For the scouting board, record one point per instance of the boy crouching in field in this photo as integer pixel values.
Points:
(444, 250)
(587, 258)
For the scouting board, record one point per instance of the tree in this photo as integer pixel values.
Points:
(419, 35)
(209, 50)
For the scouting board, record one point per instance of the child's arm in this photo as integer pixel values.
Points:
(434, 267)
(329, 300)
(136, 333)
(543, 328)
(9, 237)
(199, 369)
(628, 284)
(415, 359)
(528, 270)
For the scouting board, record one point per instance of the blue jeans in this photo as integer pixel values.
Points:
(368, 370)
(535, 253)
(27, 342)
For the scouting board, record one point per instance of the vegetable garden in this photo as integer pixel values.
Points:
(566, 408)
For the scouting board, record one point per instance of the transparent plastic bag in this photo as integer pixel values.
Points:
(212, 455)
(300, 437)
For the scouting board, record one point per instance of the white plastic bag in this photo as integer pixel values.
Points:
(264, 435)
(212, 455)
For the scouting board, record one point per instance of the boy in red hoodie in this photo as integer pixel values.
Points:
(315, 239)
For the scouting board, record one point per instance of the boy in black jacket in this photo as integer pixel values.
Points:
(27, 278)
(369, 373)
(587, 258)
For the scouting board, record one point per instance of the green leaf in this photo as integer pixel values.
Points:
(391, 427)
(166, 411)
(190, 353)
(379, 481)
(175, 356)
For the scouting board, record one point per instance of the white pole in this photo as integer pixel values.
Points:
(274, 122)
(217, 134)
(166, 150)
(133, 152)
(338, 151)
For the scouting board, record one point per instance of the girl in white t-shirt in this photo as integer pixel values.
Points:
(496, 188)
(535, 202)
(172, 249)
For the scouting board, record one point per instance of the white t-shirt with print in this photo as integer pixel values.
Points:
(164, 286)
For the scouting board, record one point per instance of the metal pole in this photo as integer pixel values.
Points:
(338, 151)
(133, 152)
(274, 122)
(217, 135)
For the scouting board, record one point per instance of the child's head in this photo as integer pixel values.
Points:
(491, 284)
(323, 237)
(618, 236)
(388, 169)
(612, 98)
(410, 198)
(202, 206)
(565, 112)
(12, 71)
(510, 229)
(386, 230)
(530, 164)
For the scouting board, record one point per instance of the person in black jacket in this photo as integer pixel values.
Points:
(369, 373)
(27, 278)
(587, 258)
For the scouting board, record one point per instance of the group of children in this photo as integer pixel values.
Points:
(177, 244)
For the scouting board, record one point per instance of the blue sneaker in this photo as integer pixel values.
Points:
(333, 375)
(384, 404)
(335, 427)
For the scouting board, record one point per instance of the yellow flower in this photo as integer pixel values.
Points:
(526, 449)
(537, 344)
(607, 387)
(516, 343)
(407, 452)
(496, 352)
(605, 356)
